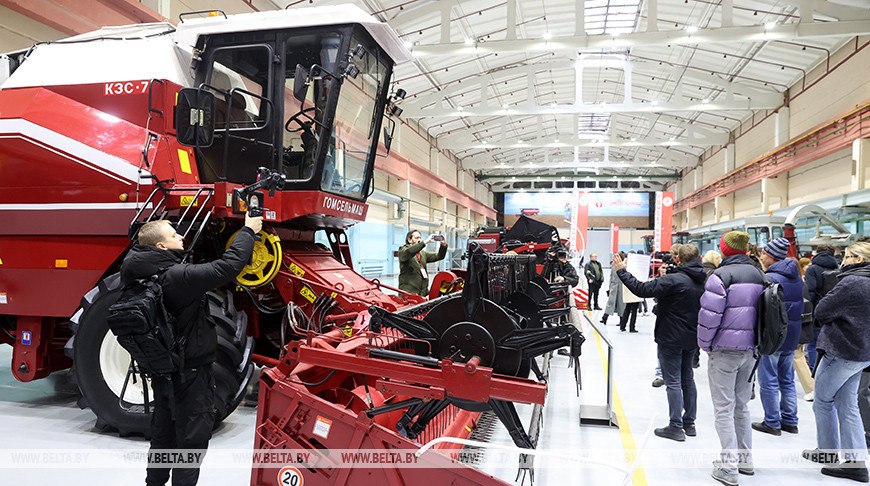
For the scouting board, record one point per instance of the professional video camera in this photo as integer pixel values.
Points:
(557, 252)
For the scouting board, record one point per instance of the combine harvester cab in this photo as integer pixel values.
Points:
(280, 112)
(104, 131)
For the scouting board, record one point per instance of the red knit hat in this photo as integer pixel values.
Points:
(734, 243)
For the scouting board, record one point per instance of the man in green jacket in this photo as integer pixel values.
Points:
(412, 262)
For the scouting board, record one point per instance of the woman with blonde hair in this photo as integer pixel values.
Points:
(711, 260)
(845, 340)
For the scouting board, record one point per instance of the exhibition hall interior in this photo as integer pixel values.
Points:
(414, 242)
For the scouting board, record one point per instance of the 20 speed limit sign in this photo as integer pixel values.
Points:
(290, 476)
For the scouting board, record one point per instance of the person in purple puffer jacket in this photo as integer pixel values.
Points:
(726, 331)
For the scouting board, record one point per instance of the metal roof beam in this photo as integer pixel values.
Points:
(485, 163)
(858, 25)
(767, 101)
(551, 142)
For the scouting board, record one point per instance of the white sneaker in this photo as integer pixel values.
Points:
(809, 396)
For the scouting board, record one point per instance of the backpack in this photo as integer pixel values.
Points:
(145, 329)
(771, 324)
(829, 281)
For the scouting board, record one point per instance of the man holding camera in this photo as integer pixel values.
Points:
(679, 300)
(557, 268)
(413, 260)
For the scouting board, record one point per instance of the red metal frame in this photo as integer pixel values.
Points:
(289, 410)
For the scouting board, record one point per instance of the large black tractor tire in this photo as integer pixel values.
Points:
(99, 363)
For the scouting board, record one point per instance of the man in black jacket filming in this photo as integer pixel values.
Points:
(557, 269)
(183, 410)
(679, 299)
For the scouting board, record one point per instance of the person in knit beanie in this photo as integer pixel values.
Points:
(726, 331)
(776, 371)
(734, 242)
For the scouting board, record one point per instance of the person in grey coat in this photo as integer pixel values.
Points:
(615, 303)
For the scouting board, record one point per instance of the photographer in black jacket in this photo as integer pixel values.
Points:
(678, 293)
(183, 410)
(557, 268)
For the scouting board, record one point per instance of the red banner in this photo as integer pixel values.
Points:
(664, 221)
(579, 221)
(614, 238)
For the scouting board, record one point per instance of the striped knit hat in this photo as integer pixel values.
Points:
(777, 248)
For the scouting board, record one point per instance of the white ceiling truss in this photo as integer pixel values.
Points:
(551, 88)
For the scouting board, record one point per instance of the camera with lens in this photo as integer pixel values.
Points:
(554, 254)
(668, 263)
(438, 237)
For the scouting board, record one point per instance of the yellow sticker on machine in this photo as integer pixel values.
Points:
(347, 330)
(296, 270)
(308, 293)
(184, 161)
(186, 200)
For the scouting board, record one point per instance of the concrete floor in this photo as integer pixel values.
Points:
(42, 417)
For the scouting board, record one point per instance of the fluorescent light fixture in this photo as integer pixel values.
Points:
(547, 35)
(692, 29)
(769, 25)
(469, 42)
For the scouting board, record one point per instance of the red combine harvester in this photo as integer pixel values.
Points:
(279, 112)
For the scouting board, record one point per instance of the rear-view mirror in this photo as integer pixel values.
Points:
(300, 83)
(194, 117)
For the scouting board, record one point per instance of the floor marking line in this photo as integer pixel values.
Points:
(639, 478)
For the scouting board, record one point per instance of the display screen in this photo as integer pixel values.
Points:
(627, 209)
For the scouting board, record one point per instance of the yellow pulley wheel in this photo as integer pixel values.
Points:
(265, 263)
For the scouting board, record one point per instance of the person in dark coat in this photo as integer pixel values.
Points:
(823, 260)
(594, 277)
(726, 331)
(776, 371)
(845, 342)
(678, 294)
(183, 415)
(558, 269)
(413, 260)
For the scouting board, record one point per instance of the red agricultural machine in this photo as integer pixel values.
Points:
(196, 123)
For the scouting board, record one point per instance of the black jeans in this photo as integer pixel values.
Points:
(630, 311)
(679, 379)
(594, 287)
(188, 426)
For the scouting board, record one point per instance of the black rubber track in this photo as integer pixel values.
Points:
(232, 370)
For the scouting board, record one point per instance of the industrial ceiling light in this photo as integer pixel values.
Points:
(691, 29)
